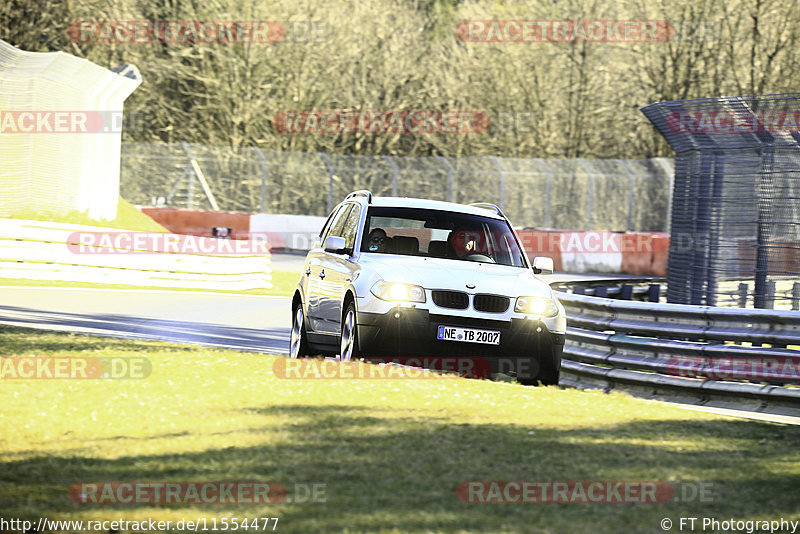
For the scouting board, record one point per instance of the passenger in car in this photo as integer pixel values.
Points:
(378, 241)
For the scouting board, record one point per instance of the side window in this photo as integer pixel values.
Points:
(338, 224)
(334, 220)
(350, 228)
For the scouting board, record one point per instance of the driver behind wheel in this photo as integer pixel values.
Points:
(463, 242)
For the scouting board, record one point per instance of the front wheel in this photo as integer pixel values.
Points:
(298, 344)
(348, 345)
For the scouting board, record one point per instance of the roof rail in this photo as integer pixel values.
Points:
(361, 193)
(488, 206)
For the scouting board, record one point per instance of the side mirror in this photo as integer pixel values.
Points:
(335, 244)
(542, 265)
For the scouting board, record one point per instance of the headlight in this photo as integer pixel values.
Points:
(544, 306)
(398, 291)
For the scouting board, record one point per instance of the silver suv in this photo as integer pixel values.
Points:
(411, 278)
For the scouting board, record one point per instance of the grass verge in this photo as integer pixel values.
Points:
(390, 452)
(128, 218)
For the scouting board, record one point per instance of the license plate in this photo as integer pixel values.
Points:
(469, 335)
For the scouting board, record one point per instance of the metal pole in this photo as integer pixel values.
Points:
(742, 294)
(393, 165)
(763, 197)
(631, 187)
(198, 172)
(502, 182)
(184, 174)
(263, 164)
(770, 300)
(190, 190)
(548, 185)
(449, 177)
(590, 196)
(329, 165)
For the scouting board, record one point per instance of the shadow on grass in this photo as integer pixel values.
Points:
(384, 472)
(15, 341)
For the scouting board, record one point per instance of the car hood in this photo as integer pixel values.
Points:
(437, 273)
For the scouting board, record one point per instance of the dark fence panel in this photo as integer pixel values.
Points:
(735, 224)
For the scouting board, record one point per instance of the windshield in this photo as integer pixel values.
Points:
(440, 234)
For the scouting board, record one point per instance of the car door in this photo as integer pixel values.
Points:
(315, 273)
(339, 271)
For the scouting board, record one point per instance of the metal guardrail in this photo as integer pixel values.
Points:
(707, 353)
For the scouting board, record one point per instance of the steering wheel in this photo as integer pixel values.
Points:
(479, 257)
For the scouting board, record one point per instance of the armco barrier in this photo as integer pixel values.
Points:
(703, 352)
(35, 250)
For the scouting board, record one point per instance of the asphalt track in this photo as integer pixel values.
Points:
(244, 322)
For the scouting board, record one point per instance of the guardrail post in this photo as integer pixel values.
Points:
(742, 295)
(626, 292)
(769, 302)
(796, 296)
(654, 293)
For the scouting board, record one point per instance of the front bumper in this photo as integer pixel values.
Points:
(526, 345)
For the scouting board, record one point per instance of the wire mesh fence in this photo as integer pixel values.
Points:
(574, 194)
(735, 232)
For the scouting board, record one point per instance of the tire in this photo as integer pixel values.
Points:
(298, 342)
(348, 340)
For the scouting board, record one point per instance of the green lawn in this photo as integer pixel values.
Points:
(389, 452)
(128, 218)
